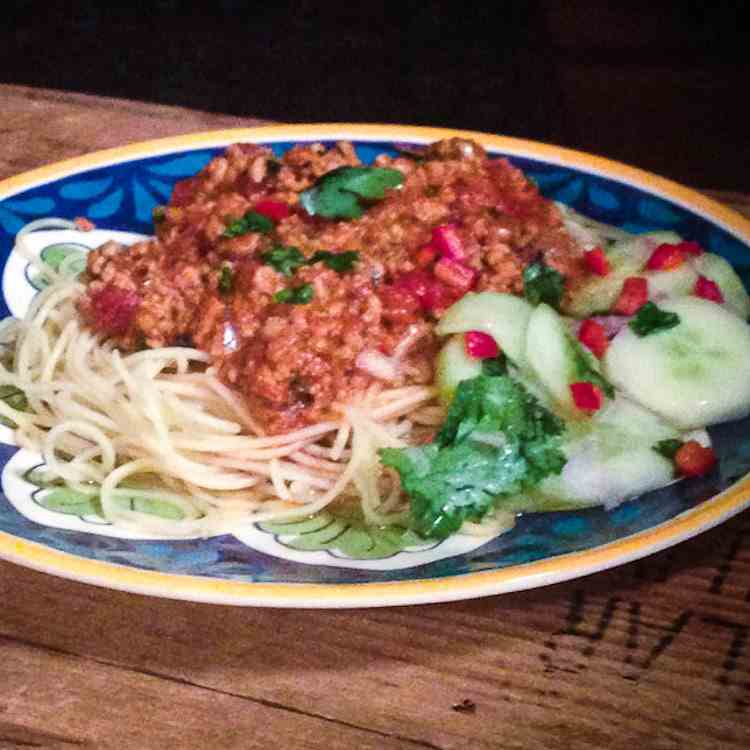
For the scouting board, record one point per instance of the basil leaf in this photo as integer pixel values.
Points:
(340, 262)
(295, 295)
(285, 259)
(337, 194)
(252, 221)
(651, 319)
(668, 448)
(543, 284)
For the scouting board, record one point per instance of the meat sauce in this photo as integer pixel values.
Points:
(197, 284)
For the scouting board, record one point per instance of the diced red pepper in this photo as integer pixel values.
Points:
(694, 460)
(633, 296)
(275, 210)
(708, 289)
(666, 257)
(184, 191)
(431, 293)
(587, 396)
(447, 241)
(596, 261)
(480, 345)
(457, 275)
(113, 309)
(690, 248)
(426, 255)
(593, 336)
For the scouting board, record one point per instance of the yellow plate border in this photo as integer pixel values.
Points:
(464, 586)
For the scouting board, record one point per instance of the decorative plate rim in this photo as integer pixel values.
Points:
(544, 572)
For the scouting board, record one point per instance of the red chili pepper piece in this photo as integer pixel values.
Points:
(184, 191)
(694, 460)
(455, 274)
(113, 309)
(426, 255)
(480, 345)
(593, 336)
(587, 396)
(431, 293)
(690, 248)
(596, 261)
(633, 296)
(274, 210)
(448, 242)
(666, 257)
(708, 289)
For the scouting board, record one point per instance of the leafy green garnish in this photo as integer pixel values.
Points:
(496, 441)
(338, 194)
(585, 369)
(226, 279)
(495, 365)
(340, 262)
(252, 221)
(652, 319)
(543, 284)
(668, 448)
(295, 295)
(285, 259)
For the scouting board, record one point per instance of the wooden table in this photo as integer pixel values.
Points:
(654, 654)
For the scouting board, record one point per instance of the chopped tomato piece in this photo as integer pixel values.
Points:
(426, 255)
(431, 293)
(694, 460)
(480, 345)
(448, 242)
(593, 336)
(113, 309)
(708, 289)
(455, 274)
(633, 296)
(587, 396)
(666, 257)
(690, 248)
(275, 210)
(184, 191)
(597, 262)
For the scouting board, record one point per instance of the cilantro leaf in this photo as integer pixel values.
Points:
(668, 448)
(285, 259)
(340, 262)
(543, 284)
(497, 440)
(226, 279)
(295, 295)
(252, 221)
(586, 371)
(652, 319)
(337, 194)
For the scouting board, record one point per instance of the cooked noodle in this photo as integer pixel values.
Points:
(160, 424)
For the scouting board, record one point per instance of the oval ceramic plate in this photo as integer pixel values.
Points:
(333, 562)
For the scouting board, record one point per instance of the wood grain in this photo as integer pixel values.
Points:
(654, 654)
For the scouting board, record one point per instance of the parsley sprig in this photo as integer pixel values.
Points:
(339, 194)
(541, 283)
(651, 319)
(286, 259)
(295, 295)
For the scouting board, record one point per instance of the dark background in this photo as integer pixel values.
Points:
(662, 85)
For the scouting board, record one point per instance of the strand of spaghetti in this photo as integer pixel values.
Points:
(277, 480)
(78, 473)
(403, 405)
(339, 444)
(304, 458)
(235, 404)
(57, 351)
(292, 472)
(193, 415)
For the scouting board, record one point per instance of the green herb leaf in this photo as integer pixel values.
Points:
(252, 221)
(495, 365)
(295, 295)
(543, 284)
(340, 262)
(668, 448)
(285, 259)
(226, 279)
(496, 441)
(586, 369)
(652, 319)
(337, 194)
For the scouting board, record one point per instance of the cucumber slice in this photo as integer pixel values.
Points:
(677, 282)
(720, 271)
(453, 366)
(626, 258)
(695, 374)
(502, 316)
(555, 358)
